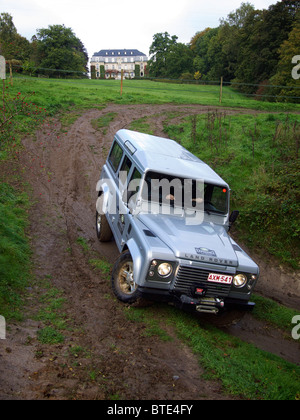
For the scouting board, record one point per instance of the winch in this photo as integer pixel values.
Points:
(206, 304)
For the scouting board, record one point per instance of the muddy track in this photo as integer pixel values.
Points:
(63, 167)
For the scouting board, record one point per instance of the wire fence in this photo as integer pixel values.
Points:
(261, 91)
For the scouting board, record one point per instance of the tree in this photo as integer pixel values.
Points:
(102, 72)
(196, 37)
(93, 72)
(179, 61)
(7, 27)
(284, 75)
(201, 43)
(12, 45)
(260, 40)
(217, 49)
(160, 48)
(59, 49)
(137, 71)
(228, 42)
(238, 18)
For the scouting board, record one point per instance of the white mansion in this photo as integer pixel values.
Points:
(110, 63)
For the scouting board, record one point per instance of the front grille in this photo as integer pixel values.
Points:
(189, 277)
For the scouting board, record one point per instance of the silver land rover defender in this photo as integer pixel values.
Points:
(169, 214)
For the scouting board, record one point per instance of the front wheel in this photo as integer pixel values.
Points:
(123, 284)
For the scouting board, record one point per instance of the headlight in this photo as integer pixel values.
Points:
(240, 280)
(164, 269)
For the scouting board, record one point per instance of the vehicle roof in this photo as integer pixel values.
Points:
(166, 156)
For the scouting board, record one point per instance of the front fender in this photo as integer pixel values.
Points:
(105, 202)
(137, 261)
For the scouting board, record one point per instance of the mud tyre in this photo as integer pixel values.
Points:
(123, 284)
(104, 233)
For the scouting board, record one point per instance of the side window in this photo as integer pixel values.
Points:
(125, 169)
(115, 156)
(134, 184)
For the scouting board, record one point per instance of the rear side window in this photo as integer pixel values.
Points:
(126, 165)
(124, 170)
(115, 156)
(134, 184)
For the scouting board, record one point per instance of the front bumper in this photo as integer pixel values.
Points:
(212, 305)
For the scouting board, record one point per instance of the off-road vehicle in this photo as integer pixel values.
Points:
(169, 214)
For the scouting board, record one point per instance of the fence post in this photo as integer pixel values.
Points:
(3, 77)
(122, 74)
(221, 90)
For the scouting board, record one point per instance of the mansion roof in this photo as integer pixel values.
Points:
(119, 53)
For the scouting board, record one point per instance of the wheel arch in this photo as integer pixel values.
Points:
(132, 247)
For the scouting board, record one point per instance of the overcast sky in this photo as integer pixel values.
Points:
(114, 24)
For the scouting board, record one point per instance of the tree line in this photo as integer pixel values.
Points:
(250, 47)
(54, 51)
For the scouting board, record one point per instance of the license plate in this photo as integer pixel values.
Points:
(220, 278)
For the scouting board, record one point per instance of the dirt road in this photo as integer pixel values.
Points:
(114, 359)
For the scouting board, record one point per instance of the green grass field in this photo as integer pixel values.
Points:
(59, 94)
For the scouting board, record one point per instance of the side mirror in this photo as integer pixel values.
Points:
(233, 217)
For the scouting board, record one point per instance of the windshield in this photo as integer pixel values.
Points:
(188, 194)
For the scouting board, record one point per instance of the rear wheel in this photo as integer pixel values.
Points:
(123, 284)
(103, 229)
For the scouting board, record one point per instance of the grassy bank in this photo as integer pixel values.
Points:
(14, 250)
(244, 370)
(258, 155)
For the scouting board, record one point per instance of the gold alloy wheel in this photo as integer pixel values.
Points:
(125, 278)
